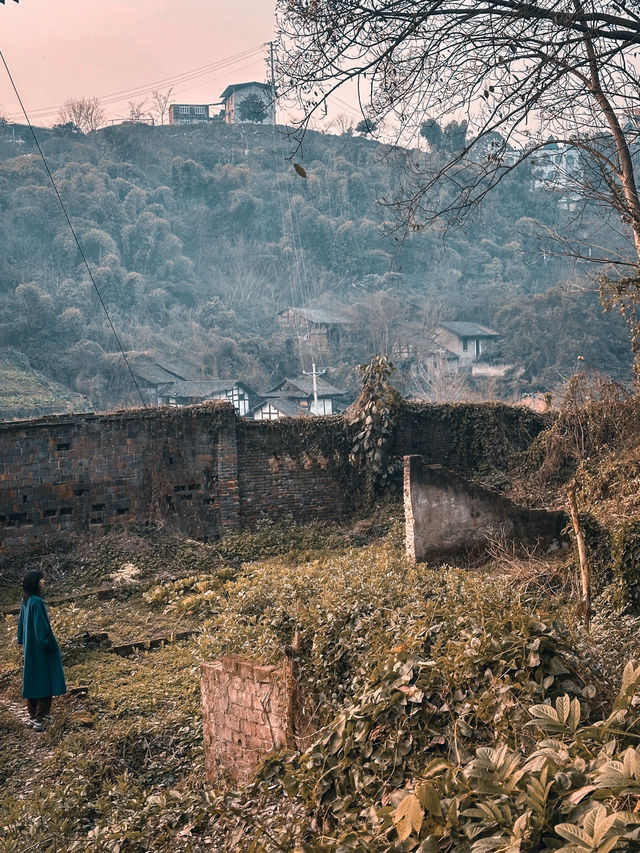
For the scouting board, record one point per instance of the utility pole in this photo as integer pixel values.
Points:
(314, 373)
(273, 84)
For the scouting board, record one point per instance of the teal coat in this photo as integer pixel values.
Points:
(42, 674)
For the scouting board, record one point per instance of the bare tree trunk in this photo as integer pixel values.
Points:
(585, 574)
(626, 173)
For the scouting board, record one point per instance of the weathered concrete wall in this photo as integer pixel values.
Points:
(446, 515)
(247, 713)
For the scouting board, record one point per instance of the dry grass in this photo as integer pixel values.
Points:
(528, 569)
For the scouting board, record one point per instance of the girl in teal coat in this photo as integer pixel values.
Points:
(42, 674)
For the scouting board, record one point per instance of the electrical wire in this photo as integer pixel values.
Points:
(175, 80)
(72, 229)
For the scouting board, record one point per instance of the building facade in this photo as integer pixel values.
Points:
(234, 95)
(189, 113)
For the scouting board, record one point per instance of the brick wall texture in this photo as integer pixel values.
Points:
(202, 471)
(246, 712)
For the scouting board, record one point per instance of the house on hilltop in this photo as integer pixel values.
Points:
(557, 167)
(259, 107)
(189, 113)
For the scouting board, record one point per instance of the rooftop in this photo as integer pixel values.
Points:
(321, 316)
(200, 388)
(288, 408)
(468, 330)
(232, 88)
(304, 385)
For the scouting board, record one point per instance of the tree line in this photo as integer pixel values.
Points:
(198, 236)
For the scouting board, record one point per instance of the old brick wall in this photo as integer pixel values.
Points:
(247, 713)
(202, 471)
(83, 473)
(294, 467)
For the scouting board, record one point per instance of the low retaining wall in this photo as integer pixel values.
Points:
(447, 516)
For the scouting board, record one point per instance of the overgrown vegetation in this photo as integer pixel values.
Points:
(446, 710)
(418, 681)
(198, 236)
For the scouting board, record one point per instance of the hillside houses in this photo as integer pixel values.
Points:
(297, 397)
(320, 328)
(465, 340)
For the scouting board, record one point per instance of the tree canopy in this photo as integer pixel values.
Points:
(526, 75)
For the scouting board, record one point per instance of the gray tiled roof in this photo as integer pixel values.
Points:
(200, 388)
(469, 330)
(322, 316)
(304, 385)
(234, 86)
(179, 366)
(284, 406)
(150, 372)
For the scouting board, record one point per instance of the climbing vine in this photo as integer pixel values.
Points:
(375, 417)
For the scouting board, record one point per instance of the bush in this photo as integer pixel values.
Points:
(626, 563)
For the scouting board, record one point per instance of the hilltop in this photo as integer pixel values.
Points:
(198, 236)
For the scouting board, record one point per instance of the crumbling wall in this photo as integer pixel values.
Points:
(446, 515)
(247, 711)
(202, 471)
(83, 474)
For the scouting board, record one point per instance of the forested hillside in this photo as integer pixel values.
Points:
(198, 236)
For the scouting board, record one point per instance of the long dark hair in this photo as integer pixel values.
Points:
(31, 583)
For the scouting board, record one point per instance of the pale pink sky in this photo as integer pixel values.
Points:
(74, 48)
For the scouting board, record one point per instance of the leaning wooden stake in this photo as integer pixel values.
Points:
(585, 575)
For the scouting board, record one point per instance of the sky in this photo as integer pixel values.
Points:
(120, 50)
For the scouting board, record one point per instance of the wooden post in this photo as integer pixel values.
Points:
(290, 668)
(585, 575)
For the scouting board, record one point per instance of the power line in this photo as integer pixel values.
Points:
(175, 80)
(72, 229)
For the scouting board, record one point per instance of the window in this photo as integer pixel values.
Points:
(465, 345)
(200, 111)
(184, 111)
(477, 346)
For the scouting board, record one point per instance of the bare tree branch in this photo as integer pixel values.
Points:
(520, 74)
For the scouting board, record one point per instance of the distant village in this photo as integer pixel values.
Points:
(449, 354)
(456, 350)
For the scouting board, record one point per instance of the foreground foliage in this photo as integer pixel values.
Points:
(451, 710)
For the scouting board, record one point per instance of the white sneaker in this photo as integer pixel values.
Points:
(38, 727)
